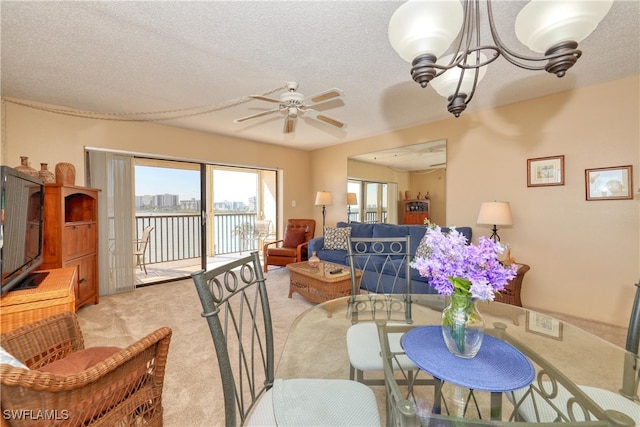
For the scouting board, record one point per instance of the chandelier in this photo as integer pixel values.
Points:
(422, 31)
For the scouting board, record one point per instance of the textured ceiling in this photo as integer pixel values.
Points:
(149, 56)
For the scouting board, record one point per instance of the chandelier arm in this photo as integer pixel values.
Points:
(476, 70)
(566, 49)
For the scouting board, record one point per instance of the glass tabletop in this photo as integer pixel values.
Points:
(316, 344)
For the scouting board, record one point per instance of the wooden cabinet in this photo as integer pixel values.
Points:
(416, 211)
(71, 236)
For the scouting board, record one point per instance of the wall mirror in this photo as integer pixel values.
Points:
(409, 172)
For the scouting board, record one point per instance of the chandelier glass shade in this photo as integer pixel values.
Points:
(422, 31)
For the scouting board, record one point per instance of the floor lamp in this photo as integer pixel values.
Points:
(352, 199)
(495, 213)
(324, 199)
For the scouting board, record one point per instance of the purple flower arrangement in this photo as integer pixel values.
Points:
(453, 266)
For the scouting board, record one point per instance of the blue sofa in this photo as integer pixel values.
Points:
(419, 285)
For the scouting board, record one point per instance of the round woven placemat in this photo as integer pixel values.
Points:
(497, 367)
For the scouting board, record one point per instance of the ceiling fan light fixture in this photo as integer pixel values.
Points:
(292, 104)
(421, 31)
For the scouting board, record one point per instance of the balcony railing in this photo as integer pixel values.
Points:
(178, 236)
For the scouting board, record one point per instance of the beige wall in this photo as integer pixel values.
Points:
(435, 183)
(53, 138)
(584, 256)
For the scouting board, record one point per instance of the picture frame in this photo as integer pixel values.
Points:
(541, 324)
(612, 183)
(545, 171)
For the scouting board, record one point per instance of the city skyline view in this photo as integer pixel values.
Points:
(228, 185)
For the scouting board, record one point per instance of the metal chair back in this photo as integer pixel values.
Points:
(236, 307)
(384, 267)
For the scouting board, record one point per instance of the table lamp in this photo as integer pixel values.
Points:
(352, 199)
(495, 213)
(324, 199)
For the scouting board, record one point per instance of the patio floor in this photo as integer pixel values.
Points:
(174, 270)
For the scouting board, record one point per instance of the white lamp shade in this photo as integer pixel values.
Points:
(495, 213)
(446, 83)
(352, 199)
(425, 26)
(544, 23)
(323, 198)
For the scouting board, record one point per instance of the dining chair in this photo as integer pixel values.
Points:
(236, 307)
(622, 407)
(400, 410)
(141, 248)
(385, 273)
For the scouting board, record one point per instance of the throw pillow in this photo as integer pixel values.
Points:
(293, 237)
(336, 238)
(7, 358)
(423, 249)
(79, 361)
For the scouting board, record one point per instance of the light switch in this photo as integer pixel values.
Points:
(293, 203)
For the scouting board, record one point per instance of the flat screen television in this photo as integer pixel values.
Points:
(21, 238)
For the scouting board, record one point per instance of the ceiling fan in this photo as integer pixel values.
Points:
(292, 105)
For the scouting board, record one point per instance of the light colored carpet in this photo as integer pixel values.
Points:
(192, 394)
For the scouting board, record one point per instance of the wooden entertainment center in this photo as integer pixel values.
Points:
(71, 236)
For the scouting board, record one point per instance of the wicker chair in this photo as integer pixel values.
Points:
(124, 389)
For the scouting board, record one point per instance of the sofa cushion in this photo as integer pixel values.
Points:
(390, 230)
(358, 229)
(79, 361)
(336, 238)
(293, 237)
(335, 256)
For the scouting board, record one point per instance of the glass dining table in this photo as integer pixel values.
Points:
(569, 364)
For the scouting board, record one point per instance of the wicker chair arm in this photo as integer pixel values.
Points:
(155, 360)
(127, 384)
(44, 341)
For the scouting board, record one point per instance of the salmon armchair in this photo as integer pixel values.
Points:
(294, 246)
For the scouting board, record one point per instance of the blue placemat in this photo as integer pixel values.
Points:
(498, 366)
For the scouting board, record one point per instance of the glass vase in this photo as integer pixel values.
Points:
(314, 261)
(462, 326)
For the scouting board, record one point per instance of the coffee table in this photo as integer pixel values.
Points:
(317, 284)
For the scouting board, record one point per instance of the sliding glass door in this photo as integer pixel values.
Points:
(201, 214)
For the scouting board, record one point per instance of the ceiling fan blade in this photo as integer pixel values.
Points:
(324, 118)
(253, 116)
(326, 95)
(289, 124)
(264, 98)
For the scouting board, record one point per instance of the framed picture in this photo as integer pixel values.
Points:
(615, 183)
(545, 171)
(542, 324)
